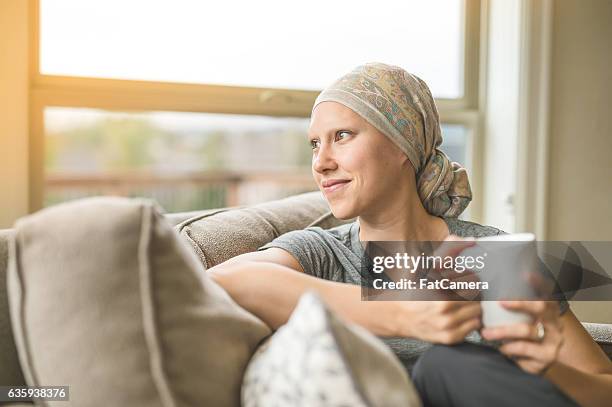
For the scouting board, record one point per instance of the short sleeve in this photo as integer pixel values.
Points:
(309, 249)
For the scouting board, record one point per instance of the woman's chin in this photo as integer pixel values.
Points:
(342, 213)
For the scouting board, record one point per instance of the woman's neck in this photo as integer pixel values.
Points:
(412, 222)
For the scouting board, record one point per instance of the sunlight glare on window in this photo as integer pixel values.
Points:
(266, 43)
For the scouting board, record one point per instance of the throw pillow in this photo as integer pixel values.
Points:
(318, 360)
(107, 299)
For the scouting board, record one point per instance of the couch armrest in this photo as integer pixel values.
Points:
(602, 334)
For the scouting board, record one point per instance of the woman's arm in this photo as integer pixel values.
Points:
(271, 291)
(583, 370)
(567, 354)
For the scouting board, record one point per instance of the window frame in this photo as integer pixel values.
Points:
(135, 96)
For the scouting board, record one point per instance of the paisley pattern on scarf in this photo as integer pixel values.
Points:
(400, 106)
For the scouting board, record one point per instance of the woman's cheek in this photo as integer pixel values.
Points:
(350, 161)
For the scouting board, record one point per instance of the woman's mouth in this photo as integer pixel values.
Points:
(334, 185)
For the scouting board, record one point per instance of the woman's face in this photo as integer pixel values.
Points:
(358, 169)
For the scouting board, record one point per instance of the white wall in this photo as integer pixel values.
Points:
(501, 113)
(548, 124)
(13, 110)
(580, 160)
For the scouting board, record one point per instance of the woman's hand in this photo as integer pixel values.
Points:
(444, 322)
(534, 349)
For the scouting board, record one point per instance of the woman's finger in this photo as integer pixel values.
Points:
(450, 307)
(530, 365)
(543, 287)
(458, 334)
(513, 331)
(468, 326)
(467, 276)
(537, 309)
(469, 311)
(522, 349)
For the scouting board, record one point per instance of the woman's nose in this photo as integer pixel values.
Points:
(324, 160)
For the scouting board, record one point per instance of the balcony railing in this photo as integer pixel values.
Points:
(181, 192)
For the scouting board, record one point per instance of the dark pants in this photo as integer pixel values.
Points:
(473, 375)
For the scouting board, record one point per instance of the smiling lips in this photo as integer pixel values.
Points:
(332, 185)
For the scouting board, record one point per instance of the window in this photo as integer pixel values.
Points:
(183, 160)
(201, 104)
(265, 43)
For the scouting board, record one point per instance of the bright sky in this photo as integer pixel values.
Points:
(269, 43)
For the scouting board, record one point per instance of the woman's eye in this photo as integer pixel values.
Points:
(342, 134)
(314, 144)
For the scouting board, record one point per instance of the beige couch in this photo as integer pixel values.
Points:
(214, 236)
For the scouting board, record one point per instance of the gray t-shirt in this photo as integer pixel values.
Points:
(335, 254)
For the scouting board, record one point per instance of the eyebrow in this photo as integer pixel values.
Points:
(335, 130)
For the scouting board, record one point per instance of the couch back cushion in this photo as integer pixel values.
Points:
(220, 235)
(107, 298)
(10, 371)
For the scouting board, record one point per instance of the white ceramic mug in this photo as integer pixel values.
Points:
(503, 262)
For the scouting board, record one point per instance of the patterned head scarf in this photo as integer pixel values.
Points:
(401, 107)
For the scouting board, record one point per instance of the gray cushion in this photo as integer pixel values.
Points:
(602, 333)
(221, 235)
(318, 360)
(107, 298)
(10, 370)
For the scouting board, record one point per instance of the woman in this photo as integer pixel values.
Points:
(375, 135)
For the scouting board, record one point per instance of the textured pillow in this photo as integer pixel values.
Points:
(106, 298)
(317, 360)
(221, 235)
